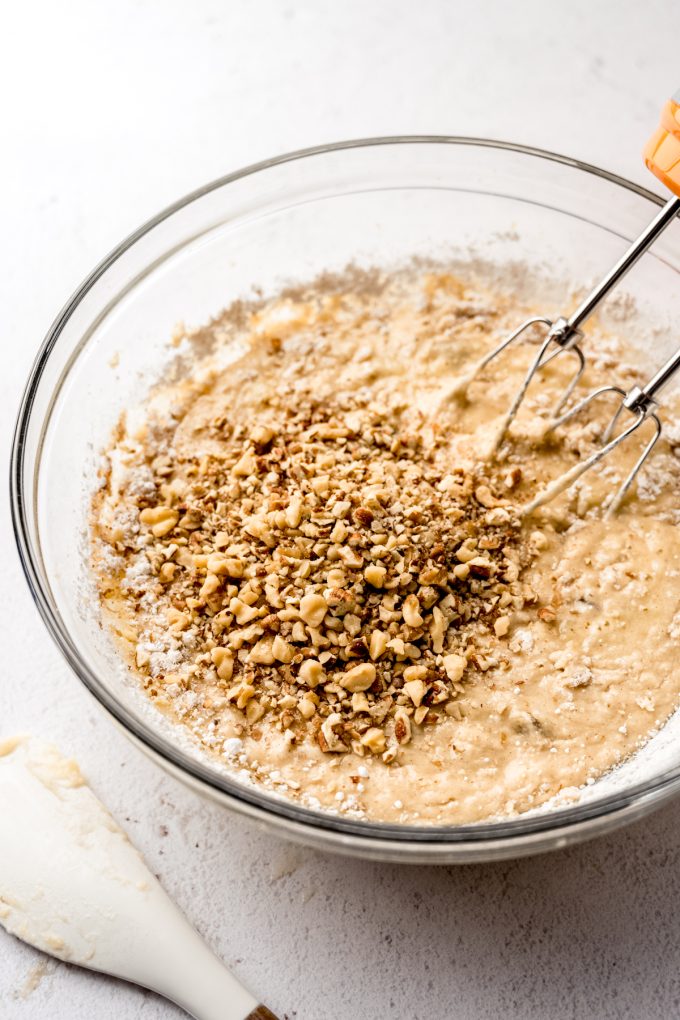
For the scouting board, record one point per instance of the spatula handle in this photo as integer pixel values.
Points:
(191, 976)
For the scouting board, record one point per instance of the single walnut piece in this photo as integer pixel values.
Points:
(455, 666)
(313, 609)
(281, 650)
(161, 519)
(402, 726)
(221, 565)
(378, 644)
(224, 662)
(311, 673)
(359, 678)
(307, 706)
(329, 738)
(501, 626)
(363, 517)
(411, 611)
(416, 691)
(375, 740)
(375, 575)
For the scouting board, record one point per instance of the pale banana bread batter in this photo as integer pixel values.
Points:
(316, 568)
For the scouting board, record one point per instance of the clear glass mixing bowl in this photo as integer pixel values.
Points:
(375, 202)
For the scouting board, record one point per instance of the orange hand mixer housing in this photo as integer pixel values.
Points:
(662, 156)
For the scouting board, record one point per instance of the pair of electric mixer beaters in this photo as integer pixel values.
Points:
(562, 335)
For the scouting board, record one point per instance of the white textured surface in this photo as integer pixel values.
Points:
(110, 111)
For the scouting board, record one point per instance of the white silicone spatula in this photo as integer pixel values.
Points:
(73, 885)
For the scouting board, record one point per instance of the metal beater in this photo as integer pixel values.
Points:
(662, 156)
(641, 403)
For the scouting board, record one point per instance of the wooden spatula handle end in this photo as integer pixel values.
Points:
(261, 1013)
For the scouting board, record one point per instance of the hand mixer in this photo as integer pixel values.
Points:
(662, 156)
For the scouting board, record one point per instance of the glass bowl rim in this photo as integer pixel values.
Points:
(241, 797)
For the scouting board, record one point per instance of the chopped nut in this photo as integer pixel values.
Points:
(375, 575)
(262, 652)
(299, 634)
(360, 702)
(294, 512)
(502, 626)
(411, 612)
(241, 694)
(167, 572)
(415, 673)
(438, 629)
(243, 612)
(378, 644)
(455, 666)
(397, 645)
(511, 572)
(352, 558)
(142, 657)
(210, 586)
(228, 566)
(311, 672)
(363, 516)
(359, 678)
(321, 485)
(465, 553)
(375, 740)
(245, 465)
(161, 519)
(402, 726)
(313, 609)
(224, 662)
(330, 739)
(177, 620)
(480, 566)
(485, 497)
(261, 435)
(339, 532)
(416, 690)
(281, 650)
(432, 575)
(307, 706)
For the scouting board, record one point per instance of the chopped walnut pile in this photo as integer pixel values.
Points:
(328, 569)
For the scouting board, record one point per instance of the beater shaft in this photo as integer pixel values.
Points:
(662, 156)
(637, 249)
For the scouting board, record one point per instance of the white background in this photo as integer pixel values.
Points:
(108, 112)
